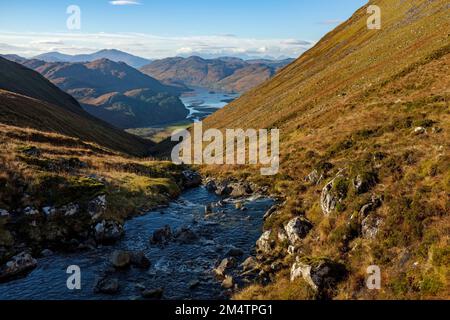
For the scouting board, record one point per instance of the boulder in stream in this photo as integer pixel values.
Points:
(139, 260)
(19, 265)
(120, 259)
(107, 286)
(108, 231)
(155, 294)
(161, 236)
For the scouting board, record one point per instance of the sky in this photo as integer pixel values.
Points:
(163, 28)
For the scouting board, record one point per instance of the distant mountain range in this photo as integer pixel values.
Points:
(223, 74)
(29, 100)
(110, 54)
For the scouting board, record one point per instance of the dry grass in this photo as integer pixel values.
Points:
(354, 101)
(66, 170)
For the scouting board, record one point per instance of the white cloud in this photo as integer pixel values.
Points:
(150, 46)
(124, 3)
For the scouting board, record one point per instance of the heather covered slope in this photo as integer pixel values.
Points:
(364, 120)
(29, 100)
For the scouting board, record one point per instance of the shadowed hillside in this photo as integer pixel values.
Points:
(364, 119)
(107, 90)
(29, 100)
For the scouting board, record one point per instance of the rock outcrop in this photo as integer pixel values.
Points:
(120, 259)
(319, 273)
(264, 244)
(19, 265)
(297, 229)
(161, 236)
(108, 231)
(191, 179)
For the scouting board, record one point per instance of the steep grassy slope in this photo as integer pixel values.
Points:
(136, 108)
(22, 80)
(41, 169)
(41, 105)
(372, 105)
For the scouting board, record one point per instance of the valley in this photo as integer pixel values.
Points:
(359, 127)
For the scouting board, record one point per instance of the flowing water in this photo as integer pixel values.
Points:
(173, 267)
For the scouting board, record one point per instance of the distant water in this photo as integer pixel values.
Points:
(203, 102)
(173, 267)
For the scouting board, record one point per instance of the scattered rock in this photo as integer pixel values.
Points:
(208, 209)
(186, 236)
(224, 265)
(46, 253)
(292, 250)
(191, 179)
(270, 212)
(4, 213)
(223, 189)
(240, 189)
(70, 210)
(329, 199)
(249, 264)
(420, 130)
(155, 294)
(282, 236)
(314, 177)
(30, 211)
(264, 244)
(374, 204)
(108, 231)
(297, 229)
(235, 252)
(228, 282)
(238, 205)
(211, 186)
(162, 236)
(107, 286)
(139, 260)
(370, 226)
(19, 265)
(363, 182)
(194, 284)
(320, 273)
(120, 259)
(97, 206)
(49, 211)
(276, 266)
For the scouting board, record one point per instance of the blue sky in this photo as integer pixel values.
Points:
(157, 28)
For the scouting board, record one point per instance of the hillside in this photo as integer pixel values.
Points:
(65, 194)
(110, 54)
(93, 83)
(29, 100)
(365, 122)
(216, 74)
